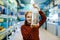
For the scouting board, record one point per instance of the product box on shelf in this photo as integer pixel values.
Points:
(1, 19)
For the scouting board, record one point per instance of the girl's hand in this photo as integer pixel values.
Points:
(35, 6)
(34, 25)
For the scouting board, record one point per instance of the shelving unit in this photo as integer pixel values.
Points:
(52, 21)
(7, 20)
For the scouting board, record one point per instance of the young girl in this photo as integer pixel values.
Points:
(28, 32)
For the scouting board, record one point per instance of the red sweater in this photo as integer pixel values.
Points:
(29, 33)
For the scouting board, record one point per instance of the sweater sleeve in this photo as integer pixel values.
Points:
(43, 18)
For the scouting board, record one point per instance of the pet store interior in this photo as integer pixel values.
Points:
(12, 16)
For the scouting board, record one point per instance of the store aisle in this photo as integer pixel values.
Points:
(44, 35)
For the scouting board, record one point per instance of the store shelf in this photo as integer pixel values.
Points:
(51, 27)
(5, 32)
(7, 16)
(59, 31)
(2, 34)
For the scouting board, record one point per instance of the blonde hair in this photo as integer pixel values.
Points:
(27, 12)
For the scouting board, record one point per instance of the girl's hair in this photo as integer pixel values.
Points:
(26, 13)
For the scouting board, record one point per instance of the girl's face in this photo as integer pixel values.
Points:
(29, 18)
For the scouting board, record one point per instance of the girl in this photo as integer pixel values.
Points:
(28, 32)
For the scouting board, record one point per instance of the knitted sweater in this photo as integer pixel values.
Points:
(29, 33)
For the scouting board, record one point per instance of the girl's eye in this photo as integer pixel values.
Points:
(29, 17)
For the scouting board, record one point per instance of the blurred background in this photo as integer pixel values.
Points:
(12, 17)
